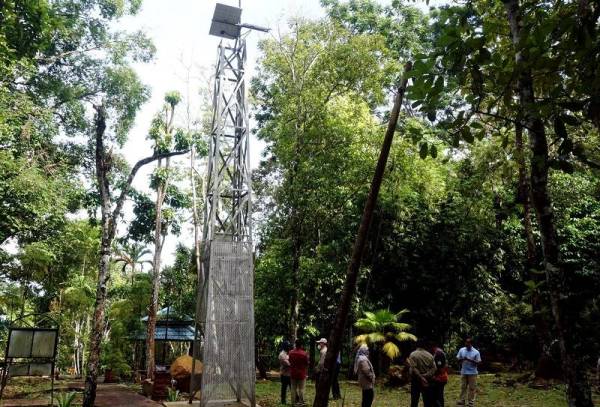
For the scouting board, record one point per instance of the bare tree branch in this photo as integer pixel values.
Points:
(134, 170)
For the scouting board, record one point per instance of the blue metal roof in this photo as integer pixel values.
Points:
(170, 314)
(171, 333)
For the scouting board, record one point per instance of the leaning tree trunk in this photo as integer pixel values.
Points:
(335, 338)
(578, 389)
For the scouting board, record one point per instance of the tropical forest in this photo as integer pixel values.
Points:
(322, 202)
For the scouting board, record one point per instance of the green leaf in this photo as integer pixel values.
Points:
(433, 151)
(565, 147)
(467, 136)
(455, 142)
(484, 55)
(423, 150)
(570, 120)
(560, 128)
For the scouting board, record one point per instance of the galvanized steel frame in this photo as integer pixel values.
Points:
(225, 312)
(228, 191)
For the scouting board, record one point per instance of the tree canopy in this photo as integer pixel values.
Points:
(487, 223)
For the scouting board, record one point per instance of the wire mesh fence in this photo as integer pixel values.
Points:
(228, 348)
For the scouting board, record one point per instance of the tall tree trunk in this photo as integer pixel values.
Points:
(295, 298)
(531, 261)
(99, 311)
(578, 389)
(77, 347)
(296, 229)
(158, 245)
(196, 217)
(335, 338)
(102, 167)
(86, 326)
(159, 237)
(524, 194)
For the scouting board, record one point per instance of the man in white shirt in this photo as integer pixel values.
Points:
(469, 358)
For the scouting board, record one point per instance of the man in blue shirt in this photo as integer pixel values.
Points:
(469, 358)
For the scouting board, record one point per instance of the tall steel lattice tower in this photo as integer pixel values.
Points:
(225, 318)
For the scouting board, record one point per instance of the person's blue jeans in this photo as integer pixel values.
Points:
(285, 383)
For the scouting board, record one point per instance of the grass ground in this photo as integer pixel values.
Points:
(492, 392)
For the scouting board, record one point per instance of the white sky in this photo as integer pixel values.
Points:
(179, 30)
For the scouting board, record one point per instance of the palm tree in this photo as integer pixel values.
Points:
(383, 331)
(131, 255)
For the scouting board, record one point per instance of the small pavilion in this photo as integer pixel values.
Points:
(174, 336)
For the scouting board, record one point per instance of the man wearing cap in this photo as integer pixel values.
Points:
(322, 345)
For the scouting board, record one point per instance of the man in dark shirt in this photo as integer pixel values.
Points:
(298, 372)
(440, 378)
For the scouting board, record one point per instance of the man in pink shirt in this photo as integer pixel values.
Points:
(284, 369)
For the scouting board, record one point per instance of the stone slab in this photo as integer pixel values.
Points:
(117, 395)
(196, 403)
(25, 402)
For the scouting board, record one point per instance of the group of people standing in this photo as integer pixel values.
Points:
(428, 371)
(294, 363)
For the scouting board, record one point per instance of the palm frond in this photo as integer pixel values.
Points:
(366, 325)
(401, 312)
(361, 339)
(369, 315)
(391, 350)
(376, 337)
(385, 316)
(401, 326)
(405, 337)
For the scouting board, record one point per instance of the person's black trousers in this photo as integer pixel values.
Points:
(437, 393)
(335, 384)
(416, 390)
(367, 397)
(286, 382)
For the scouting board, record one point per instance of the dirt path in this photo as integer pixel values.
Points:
(108, 395)
(117, 395)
